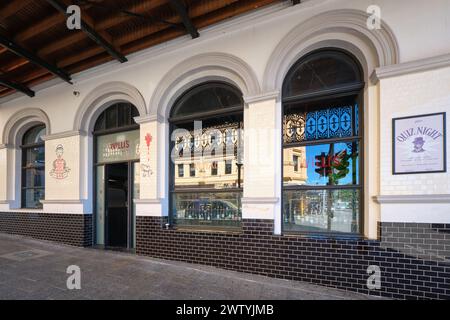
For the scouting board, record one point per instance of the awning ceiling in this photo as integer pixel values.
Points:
(36, 45)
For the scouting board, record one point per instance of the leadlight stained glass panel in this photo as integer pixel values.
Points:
(335, 122)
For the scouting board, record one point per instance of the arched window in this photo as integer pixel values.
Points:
(322, 144)
(119, 115)
(206, 166)
(33, 168)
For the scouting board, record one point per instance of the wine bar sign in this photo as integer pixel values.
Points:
(419, 144)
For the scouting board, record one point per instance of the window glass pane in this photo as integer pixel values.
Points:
(321, 71)
(334, 164)
(295, 163)
(136, 195)
(32, 197)
(207, 150)
(191, 170)
(222, 209)
(34, 178)
(111, 117)
(214, 168)
(228, 166)
(100, 124)
(181, 170)
(134, 113)
(100, 206)
(319, 121)
(116, 116)
(321, 210)
(206, 98)
(124, 114)
(34, 135)
(34, 157)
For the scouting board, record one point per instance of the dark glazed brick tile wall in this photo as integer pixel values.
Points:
(72, 229)
(413, 258)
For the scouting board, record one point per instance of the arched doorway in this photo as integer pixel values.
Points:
(116, 172)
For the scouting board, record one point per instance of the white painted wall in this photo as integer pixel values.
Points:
(421, 30)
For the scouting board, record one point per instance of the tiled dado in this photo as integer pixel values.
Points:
(72, 229)
(413, 258)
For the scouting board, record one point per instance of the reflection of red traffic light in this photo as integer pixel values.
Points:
(324, 164)
(339, 157)
(321, 164)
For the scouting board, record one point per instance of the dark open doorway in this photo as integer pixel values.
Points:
(117, 205)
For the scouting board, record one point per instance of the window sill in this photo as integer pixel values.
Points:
(324, 236)
(202, 229)
(27, 210)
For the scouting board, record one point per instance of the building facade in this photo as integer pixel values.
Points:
(264, 146)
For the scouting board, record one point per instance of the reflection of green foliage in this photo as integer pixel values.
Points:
(348, 196)
(340, 166)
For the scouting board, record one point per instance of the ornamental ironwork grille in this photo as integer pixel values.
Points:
(334, 122)
(211, 140)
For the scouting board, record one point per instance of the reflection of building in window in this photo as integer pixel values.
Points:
(228, 166)
(214, 174)
(213, 167)
(295, 171)
(192, 170)
(295, 163)
(181, 170)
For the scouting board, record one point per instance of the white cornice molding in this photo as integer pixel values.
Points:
(259, 200)
(420, 198)
(273, 95)
(62, 135)
(149, 118)
(416, 66)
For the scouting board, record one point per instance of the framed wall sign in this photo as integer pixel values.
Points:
(419, 144)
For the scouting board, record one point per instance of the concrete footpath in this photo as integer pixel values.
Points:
(31, 269)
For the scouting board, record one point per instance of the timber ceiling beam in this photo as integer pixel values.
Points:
(18, 50)
(180, 7)
(197, 11)
(40, 27)
(16, 86)
(12, 7)
(90, 31)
